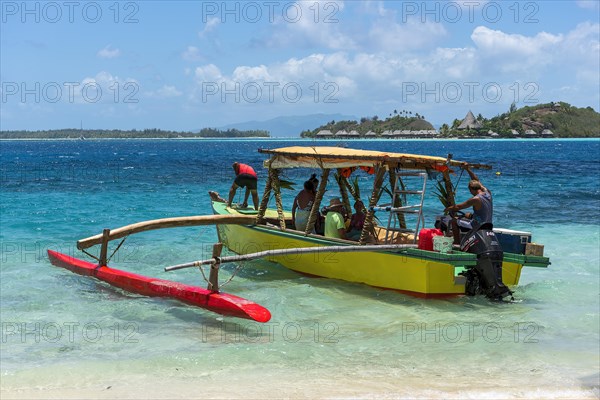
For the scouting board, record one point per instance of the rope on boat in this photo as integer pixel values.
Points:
(91, 255)
(235, 271)
(117, 249)
(283, 252)
(203, 274)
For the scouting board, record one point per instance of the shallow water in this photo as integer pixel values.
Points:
(58, 326)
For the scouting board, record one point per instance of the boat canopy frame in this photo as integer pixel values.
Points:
(337, 159)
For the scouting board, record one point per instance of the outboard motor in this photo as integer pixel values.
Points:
(486, 277)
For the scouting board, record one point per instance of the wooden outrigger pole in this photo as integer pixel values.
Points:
(175, 222)
(285, 252)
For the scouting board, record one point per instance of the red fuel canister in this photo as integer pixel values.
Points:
(426, 238)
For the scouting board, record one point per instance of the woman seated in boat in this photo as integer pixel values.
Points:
(335, 226)
(303, 204)
(357, 221)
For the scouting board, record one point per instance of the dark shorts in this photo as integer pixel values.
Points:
(247, 181)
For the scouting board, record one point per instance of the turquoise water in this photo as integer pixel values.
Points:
(57, 325)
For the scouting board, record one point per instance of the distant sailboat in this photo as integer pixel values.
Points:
(81, 137)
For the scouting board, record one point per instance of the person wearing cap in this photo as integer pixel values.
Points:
(245, 177)
(335, 226)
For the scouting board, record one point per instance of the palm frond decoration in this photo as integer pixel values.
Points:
(442, 194)
(285, 184)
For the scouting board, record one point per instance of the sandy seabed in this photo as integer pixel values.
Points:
(279, 385)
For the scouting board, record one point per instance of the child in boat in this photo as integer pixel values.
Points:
(357, 221)
(303, 204)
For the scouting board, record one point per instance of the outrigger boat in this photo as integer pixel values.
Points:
(391, 256)
(386, 256)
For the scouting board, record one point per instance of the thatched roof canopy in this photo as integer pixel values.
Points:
(336, 157)
(470, 122)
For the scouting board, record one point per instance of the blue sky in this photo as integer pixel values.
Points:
(184, 65)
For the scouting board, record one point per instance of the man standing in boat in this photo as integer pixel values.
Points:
(481, 202)
(245, 177)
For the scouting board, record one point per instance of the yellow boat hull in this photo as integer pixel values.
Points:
(421, 273)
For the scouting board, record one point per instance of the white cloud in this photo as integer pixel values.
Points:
(494, 41)
(307, 24)
(379, 30)
(192, 53)
(391, 36)
(105, 88)
(108, 52)
(496, 62)
(588, 4)
(167, 91)
(534, 55)
(208, 73)
(210, 26)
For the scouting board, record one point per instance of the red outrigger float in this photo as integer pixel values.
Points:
(221, 303)
(211, 298)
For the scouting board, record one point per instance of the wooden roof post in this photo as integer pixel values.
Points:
(344, 192)
(262, 209)
(314, 212)
(450, 202)
(278, 203)
(350, 189)
(368, 226)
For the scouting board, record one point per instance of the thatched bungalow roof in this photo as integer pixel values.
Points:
(547, 132)
(370, 133)
(324, 133)
(470, 122)
(341, 133)
(514, 132)
(530, 132)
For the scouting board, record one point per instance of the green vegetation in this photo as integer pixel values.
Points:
(561, 118)
(403, 120)
(132, 134)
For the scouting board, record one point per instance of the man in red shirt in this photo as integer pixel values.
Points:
(245, 177)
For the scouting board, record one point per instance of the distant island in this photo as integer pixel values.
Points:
(131, 134)
(557, 120)
(397, 123)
